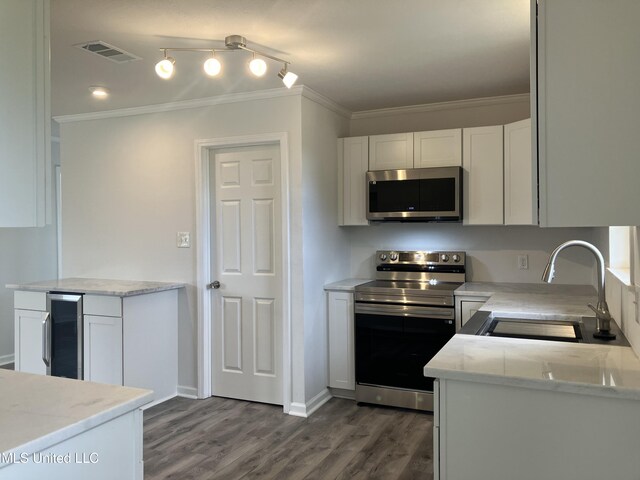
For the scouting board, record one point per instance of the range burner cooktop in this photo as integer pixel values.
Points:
(416, 277)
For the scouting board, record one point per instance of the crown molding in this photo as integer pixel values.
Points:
(432, 107)
(182, 104)
(326, 102)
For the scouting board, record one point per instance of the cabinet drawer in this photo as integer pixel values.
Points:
(30, 300)
(102, 305)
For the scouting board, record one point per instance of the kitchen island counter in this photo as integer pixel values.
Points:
(49, 415)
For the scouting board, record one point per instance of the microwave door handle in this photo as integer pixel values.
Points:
(46, 340)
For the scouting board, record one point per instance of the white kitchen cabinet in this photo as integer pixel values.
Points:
(391, 152)
(25, 118)
(482, 160)
(353, 163)
(466, 307)
(520, 175)
(28, 341)
(340, 310)
(476, 420)
(130, 340)
(439, 148)
(103, 349)
(587, 104)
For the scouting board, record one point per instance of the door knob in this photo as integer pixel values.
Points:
(214, 285)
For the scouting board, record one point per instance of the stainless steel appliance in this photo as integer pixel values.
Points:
(402, 319)
(62, 346)
(419, 194)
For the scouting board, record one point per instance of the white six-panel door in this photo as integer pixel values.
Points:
(246, 256)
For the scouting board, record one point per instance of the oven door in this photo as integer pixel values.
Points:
(395, 342)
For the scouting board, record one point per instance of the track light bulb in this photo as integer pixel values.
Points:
(288, 78)
(212, 66)
(164, 68)
(258, 67)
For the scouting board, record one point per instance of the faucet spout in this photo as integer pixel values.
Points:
(603, 317)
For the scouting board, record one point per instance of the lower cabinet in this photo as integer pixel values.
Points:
(28, 341)
(130, 341)
(341, 340)
(103, 349)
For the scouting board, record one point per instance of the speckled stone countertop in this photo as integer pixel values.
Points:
(97, 286)
(347, 285)
(487, 289)
(549, 306)
(575, 368)
(38, 411)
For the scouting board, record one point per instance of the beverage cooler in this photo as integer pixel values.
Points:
(62, 346)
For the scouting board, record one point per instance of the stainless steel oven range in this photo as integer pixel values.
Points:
(402, 319)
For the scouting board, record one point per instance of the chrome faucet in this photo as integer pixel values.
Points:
(603, 317)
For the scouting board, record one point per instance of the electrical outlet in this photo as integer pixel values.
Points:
(523, 262)
(183, 239)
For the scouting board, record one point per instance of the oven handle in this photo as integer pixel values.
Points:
(404, 310)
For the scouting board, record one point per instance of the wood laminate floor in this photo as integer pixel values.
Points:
(220, 438)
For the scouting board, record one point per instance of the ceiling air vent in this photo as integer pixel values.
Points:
(107, 51)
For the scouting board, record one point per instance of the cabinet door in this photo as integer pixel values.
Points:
(103, 349)
(588, 104)
(468, 308)
(483, 176)
(520, 176)
(391, 152)
(353, 163)
(341, 341)
(25, 119)
(28, 341)
(440, 148)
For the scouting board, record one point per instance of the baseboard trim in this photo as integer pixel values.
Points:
(342, 393)
(4, 359)
(187, 392)
(305, 410)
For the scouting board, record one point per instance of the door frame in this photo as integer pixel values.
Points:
(203, 149)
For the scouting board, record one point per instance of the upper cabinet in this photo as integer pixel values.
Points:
(353, 163)
(25, 128)
(587, 104)
(440, 148)
(520, 176)
(391, 152)
(482, 160)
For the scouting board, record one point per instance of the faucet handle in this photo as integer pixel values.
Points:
(596, 311)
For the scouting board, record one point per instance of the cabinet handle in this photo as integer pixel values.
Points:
(46, 340)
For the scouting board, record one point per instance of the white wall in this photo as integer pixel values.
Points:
(129, 186)
(491, 251)
(326, 247)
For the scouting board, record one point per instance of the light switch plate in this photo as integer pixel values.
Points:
(183, 239)
(523, 262)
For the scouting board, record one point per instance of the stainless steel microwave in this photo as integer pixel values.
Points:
(418, 195)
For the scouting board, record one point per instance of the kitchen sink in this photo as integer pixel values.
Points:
(575, 330)
(556, 330)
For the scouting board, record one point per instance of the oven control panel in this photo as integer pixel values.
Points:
(387, 257)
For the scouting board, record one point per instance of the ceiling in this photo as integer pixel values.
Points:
(363, 54)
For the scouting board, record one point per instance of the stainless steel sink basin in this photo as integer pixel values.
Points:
(556, 330)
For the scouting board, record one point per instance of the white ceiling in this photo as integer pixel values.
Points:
(363, 54)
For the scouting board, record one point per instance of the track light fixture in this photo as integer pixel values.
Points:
(212, 66)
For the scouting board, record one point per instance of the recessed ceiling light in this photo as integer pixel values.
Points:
(99, 92)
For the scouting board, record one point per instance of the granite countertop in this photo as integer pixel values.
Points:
(347, 285)
(600, 370)
(97, 286)
(38, 411)
(487, 289)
